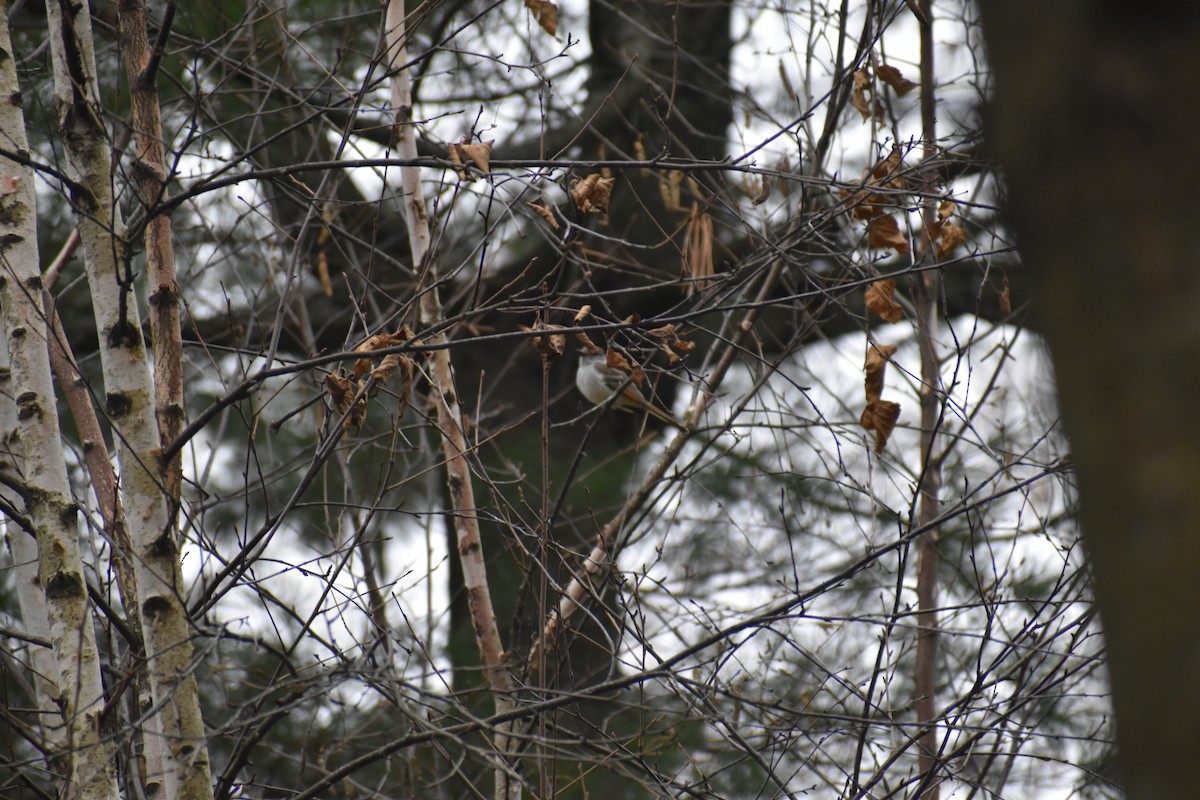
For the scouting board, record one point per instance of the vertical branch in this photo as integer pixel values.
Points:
(51, 511)
(449, 414)
(150, 173)
(31, 600)
(926, 301)
(129, 393)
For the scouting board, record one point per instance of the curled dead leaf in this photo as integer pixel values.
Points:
(881, 417)
(339, 388)
(592, 193)
(671, 190)
(586, 343)
(323, 274)
(951, 237)
(884, 231)
(698, 251)
(764, 191)
(875, 365)
(551, 345)
(880, 298)
(615, 359)
(862, 85)
(1005, 300)
(544, 212)
(379, 341)
(343, 391)
(583, 313)
(477, 153)
(887, 169)
(895, 79)
(671, 341)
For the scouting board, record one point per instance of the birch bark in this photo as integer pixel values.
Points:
(49, 506)
(449, 413)
(129, 395)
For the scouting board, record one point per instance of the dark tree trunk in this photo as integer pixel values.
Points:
(1095, 118)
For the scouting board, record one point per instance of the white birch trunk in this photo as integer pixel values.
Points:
(48, 503)
(454, 442)
(129, 396)
(22, 548)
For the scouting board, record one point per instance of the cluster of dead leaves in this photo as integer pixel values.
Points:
(349, 390)
(592, 193)
(885, 188)
(880, 415)
(669, 341)
(865, 95)
(552, 343)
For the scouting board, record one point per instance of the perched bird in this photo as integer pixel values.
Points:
(599, 381)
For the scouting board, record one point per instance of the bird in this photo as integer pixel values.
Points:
(599, 381)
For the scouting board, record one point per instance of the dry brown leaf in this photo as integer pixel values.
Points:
(787, 83)
(583, 313)
(863, 204)
(587, 344)
(388, 367)
(672, 341)
(880, 299)
(875, 365)
(340, 388)
(343, 391)
(480, 154)
(893, 78)
(945, 209)
(544, 212)
(784, 180)
(323, 274)
(862, 84)
(764, 192)
(546, 14)
(889, 167)
(698, 251)
(951, 237)
(550, 346)
(671, 191)
(592, 193)
(455, 157)
(378, 341)
(1005, 300)
(881, 417)
(884, 231)
(477, 153)
(614, 359)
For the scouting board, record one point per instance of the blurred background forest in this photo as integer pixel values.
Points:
(856, 573)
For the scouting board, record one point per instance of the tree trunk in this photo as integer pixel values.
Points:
(1095, 118)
